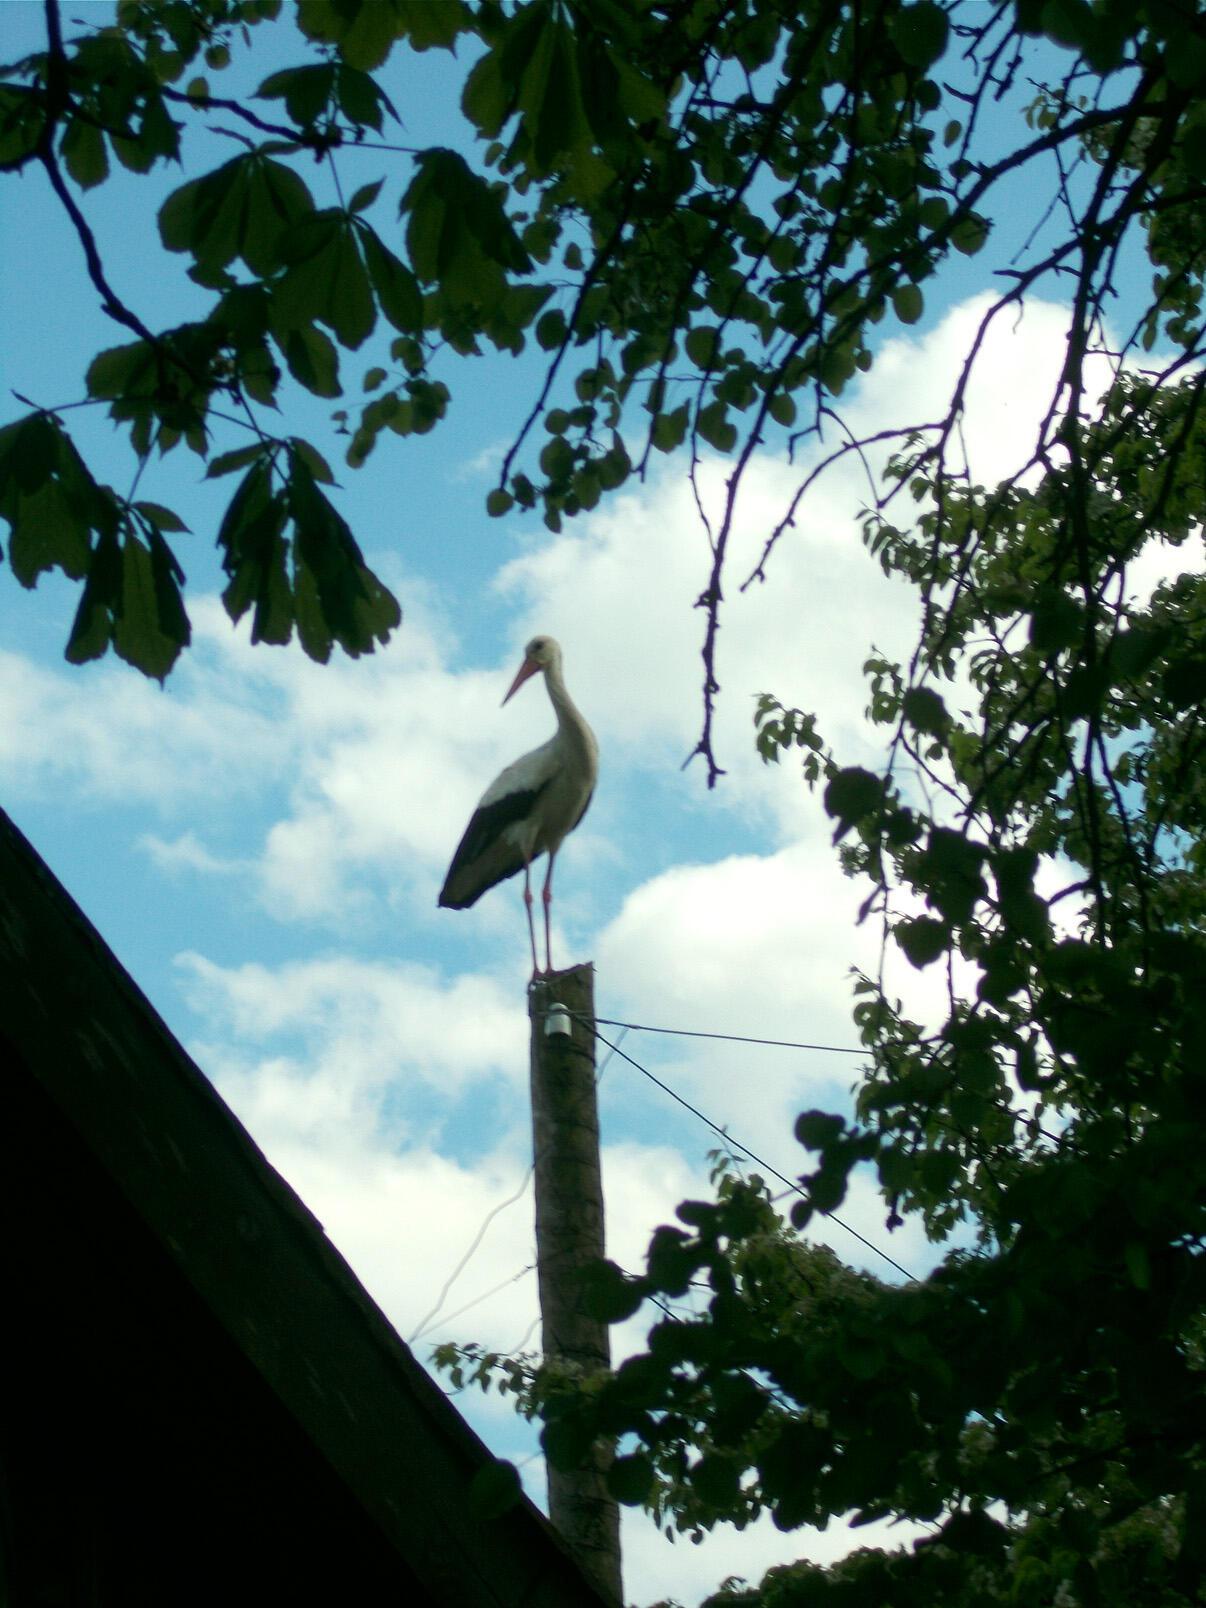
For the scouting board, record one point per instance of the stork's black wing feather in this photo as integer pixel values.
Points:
(482, 848)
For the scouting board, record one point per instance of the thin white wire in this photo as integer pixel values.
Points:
(425, 1323)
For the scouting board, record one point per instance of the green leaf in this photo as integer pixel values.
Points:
(494, 1490)
(47, 533)
(246, 208)
(1193, 141)
(1069, 22)
(1184, 683)
(306, 91)
(716, 1480)
(364, 197)
(607, 1293)
(458, 231)
(350, 309)
(670, 429)
(313, 360)
(976, 1533)
(1138, 1265)
(205, 217)
(488, 99)
(827, 1189)
(950, 870)
(1133, 652)
(337, 598)
(312, 458)
(146, 634)
(908, 303)
(49, 499)
(923, 940)
(29, 453)
(782, 409)
(630, 1479)
(862, 1357)
(1056, 621)
(713, 425)
(83, 148)
(276, 199)
(851, 796)
(920, 32)
(970, 234)
(22, 122)
(122, 370)
(701, 345)
(397, 289)
(925, 710)
(361, 98)
(364, 33)
(816, 1129)
(227, 462)
(551, 329)
(92, 629)
(567, 1440)
(162, 518)
(671, 1262)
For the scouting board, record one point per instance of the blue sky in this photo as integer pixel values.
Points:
(262, 840)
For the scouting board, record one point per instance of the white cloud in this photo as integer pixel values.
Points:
(758, 946)
(188, 853)
(365, 1024)
(620, 593)
(327, 1060)
(111, 735)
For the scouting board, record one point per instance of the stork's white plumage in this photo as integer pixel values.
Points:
(532, 806)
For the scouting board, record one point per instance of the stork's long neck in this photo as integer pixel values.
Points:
(570, 721)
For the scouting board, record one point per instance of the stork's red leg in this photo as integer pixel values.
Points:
(548, 899)
(527, 899)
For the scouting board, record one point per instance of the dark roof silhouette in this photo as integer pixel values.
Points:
(200, 1402)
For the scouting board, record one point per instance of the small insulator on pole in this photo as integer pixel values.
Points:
(557, 1022)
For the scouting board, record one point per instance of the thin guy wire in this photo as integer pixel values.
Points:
(477, 1300)
(607, 1058)
(730, 1038)
(729, 1139)
(426, 1322)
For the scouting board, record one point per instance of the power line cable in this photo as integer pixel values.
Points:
(754, 1157)
(793, 1187)
(731, 1038)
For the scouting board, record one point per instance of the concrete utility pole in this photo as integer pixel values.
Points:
(569, 1235)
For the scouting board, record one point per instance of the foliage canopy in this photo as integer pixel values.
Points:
(705, 212)
(700, 210)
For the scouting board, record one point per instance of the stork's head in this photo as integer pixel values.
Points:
(540, 653)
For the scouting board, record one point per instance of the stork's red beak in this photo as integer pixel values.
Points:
(528, 668)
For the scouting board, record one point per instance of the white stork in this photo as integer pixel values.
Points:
(532, 806)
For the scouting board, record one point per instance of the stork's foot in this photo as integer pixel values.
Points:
(544, 974)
